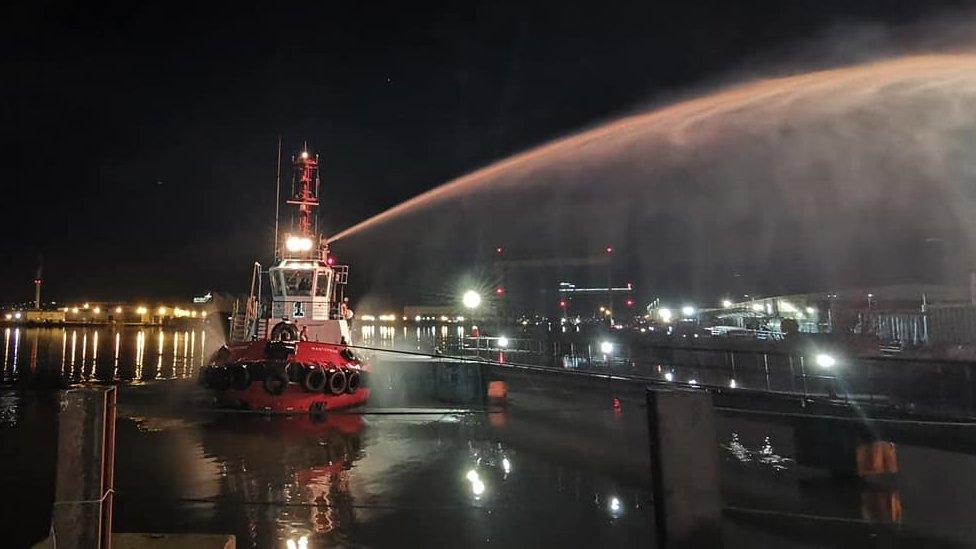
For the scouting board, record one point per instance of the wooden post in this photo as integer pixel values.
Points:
(82, 514)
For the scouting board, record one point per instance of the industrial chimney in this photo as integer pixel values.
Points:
(37, 293)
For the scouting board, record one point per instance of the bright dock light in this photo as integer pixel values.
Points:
(471, 299)
(665, 314)
(687, 311)
(503, 341)
(726, 303)
(298, 244)
(825, 361)
(606, 347)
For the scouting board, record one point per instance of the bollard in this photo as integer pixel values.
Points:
(82, 515)
(684, 469)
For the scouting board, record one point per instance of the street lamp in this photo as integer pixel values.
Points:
(825, 361)
(471, 299)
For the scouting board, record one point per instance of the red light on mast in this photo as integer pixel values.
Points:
(500, 290)
(609, 249)
(330, 260)
(630, 302)
(562, 303)
(499, 250)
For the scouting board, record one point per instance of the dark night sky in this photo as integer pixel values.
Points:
(139, 138)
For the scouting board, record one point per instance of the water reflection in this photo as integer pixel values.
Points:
(16, 348)
(421, 338)
(59, 355)
(6, 349)
(477, 485)
(763, 455)
(308, 477)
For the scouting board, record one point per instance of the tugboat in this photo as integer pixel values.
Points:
(290, 353)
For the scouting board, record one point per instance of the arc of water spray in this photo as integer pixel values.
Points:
(682, 123)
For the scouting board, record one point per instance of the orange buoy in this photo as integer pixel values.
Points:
(876, 458)
(497, 390)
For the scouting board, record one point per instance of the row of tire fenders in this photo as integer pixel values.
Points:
(275, 377)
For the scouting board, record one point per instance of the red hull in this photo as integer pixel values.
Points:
(293, 398)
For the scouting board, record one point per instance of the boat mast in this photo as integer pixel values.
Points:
(277, 200)
(305, 196)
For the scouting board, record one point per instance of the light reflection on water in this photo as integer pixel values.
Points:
(76, 353)
(345, 480)
(6, 347)
(422, 338)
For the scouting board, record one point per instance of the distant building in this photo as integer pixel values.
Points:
(910, 315)
(442, 313)
(44, 317)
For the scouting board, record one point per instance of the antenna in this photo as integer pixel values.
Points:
(277, 198)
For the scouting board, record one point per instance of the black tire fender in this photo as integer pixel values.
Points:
(275, 382)
(352, 381)
(315, 379)
(240, 377)
(284, 331)
(337, 382)
(220, 378)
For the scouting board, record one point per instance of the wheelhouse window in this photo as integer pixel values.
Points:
(276, 283)
(323, 284)
(297, 282)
